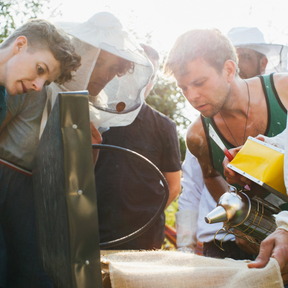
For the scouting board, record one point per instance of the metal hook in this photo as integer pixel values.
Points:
(221, 242)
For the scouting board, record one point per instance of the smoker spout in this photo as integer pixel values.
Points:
(217, 215)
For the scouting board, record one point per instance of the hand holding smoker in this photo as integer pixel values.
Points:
(252, 211)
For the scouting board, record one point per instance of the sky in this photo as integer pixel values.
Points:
(165, 20)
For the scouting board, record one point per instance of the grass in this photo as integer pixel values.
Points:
(170, 220)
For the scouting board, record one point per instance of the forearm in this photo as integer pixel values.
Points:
(96, 139)
(173, 180)
(216, 185)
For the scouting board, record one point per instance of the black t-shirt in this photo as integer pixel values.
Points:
(128, 192)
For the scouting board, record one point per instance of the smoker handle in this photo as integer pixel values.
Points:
(145, 227)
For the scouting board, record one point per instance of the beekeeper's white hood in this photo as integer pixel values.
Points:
(252, 38)
(103, 31)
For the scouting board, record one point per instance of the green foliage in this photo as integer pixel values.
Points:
(14, 13)
(182, 144)
(170, 220)
(170, 213)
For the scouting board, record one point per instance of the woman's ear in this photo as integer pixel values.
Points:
(20, 44)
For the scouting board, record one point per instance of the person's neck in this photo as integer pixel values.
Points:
(232, 121)
(236, 104)
(5, 55)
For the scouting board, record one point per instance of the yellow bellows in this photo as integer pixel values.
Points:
(263, 163)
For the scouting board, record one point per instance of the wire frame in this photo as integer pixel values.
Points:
(259, 224)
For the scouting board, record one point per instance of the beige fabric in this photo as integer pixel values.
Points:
(167, 269)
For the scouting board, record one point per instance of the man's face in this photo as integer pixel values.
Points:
(29, 70)
(106, 68)
(204, 88)
(249, 63)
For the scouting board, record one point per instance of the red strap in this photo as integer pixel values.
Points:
(16, 168)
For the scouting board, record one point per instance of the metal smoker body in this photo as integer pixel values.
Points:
(252, 216)
(252, 210)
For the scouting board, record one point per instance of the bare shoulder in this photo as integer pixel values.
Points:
(195, 136)
(197, 145)
(281, 85)
(280, 78)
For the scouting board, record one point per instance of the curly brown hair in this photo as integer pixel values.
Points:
(125, 66)
(42, 34)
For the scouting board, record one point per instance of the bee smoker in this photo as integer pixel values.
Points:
(252, 210)
(252, 216)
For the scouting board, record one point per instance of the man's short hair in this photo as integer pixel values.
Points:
(214, 47)
(43, 35)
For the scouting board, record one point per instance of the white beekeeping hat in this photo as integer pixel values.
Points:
(103, 31)
(253, 38)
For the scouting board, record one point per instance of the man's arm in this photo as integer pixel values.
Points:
(96, 139)
(170, 164)
(173, 180)
(197, 145)
(281, 85)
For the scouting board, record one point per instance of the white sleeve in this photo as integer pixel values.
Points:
(192, 183)
(188, 203)
(282, 220)
(278, 140)
(186, 227)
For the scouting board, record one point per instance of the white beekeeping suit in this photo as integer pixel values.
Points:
(252, 38)
(103, 31)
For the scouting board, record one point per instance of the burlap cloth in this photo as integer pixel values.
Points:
(182, 270)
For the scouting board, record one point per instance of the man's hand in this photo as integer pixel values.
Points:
(96, 139)
(246, 245)
(276, 246)
(231, 176)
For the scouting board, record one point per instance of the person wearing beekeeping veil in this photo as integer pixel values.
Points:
(115, 71)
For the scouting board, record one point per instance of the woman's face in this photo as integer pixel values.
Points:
(106, 68)
(29, 70)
